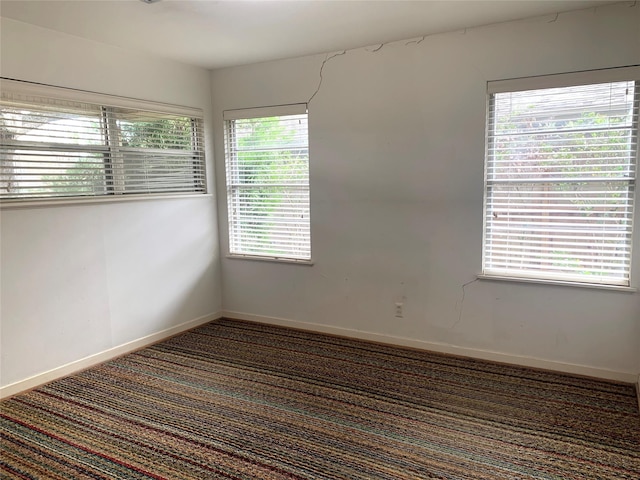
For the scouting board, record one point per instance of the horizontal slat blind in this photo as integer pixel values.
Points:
(560, 180)
(52, 147)
(267, 163)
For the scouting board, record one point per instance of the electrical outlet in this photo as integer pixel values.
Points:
(399, 309)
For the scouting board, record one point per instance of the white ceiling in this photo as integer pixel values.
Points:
(214, 34)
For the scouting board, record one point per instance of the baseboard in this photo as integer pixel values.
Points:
(443, 348)
(95, 359)
(84, 363)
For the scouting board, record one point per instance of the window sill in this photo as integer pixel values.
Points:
(561, 283)
(291, 261)
(61, 202)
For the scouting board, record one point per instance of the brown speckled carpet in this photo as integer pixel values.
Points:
(240, 400)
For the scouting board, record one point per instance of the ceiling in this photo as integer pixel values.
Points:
(215, 34)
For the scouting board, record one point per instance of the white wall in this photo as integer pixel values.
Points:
(397, 145)
(79, 280)
(397, 142)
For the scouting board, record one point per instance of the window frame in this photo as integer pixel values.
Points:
(229, 117)
(593, 77)
(114, 184)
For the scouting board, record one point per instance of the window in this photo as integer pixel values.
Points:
(560, 177)
(267, 164)
(57, 143)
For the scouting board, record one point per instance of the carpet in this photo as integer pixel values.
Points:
(241, 400)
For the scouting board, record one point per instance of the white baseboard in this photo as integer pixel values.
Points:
(444, 348)
(84, 363)
(95, 359)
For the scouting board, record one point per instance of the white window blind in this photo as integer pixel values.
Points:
(267, 166)
(560, 181)
(57, 143)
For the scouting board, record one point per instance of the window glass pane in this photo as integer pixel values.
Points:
(48, 125)
(572, 228)
(37, 173)
(272, 221)
(579, 108)
(145, 171)
(560, 178)
(268, 186)
(149, 130)
(47, 169)
(51, 147)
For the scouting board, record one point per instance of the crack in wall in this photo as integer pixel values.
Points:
(376, 49)
(321, 69)
(417, 42)
(464, 285)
